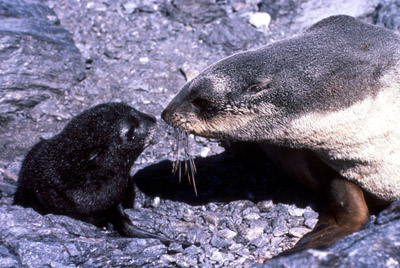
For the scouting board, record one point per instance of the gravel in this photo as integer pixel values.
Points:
(142, 53)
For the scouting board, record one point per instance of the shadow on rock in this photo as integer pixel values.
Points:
(242, 172)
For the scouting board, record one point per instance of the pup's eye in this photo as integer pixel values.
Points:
(259, 87)
(130, 134)
(204, 105)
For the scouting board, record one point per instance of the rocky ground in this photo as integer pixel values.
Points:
(59, 57)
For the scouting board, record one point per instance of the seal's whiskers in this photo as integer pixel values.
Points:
(181, 150)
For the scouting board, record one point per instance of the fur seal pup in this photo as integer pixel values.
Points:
(83, 172)
(323, 105)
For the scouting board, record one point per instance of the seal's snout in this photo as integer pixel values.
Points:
(164, 114)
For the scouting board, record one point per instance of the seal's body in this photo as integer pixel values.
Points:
(84, 171)
(324, 107)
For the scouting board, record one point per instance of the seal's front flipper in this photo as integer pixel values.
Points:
(347, 212)
(124, 226)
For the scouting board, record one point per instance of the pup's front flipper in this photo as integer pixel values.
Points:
(124, 226)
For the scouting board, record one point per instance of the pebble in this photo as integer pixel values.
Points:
(260, 19)
(265, 206)
(216, 255)
(130, 6)
(253, 233)
(280, 230)
(279, 227)
(260, 241)
(175, 248)
(297, 212)
(299, 231)
(310, 223)
(252, 216)
(211, 218)
(219, 242)
(310, 214)
(226, 233)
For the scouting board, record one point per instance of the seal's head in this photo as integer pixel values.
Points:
(255, 95)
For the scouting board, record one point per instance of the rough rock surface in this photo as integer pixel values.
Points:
(375, 246)
(59, 57)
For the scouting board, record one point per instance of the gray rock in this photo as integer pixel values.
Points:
(218, 242)
(142, 52)
(39, 63)
(279, 227)
(193, 12)
(375, 246)
(387, 14)
(260, 241)
(231, 35)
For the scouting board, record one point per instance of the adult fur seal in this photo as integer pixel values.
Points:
(324, 106)
(83, 172)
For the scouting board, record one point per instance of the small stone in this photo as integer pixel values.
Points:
(193, 250)
(156, 202)
(72, 250)
(211, 218)
(252, 216)
(260, 20)
(265, 206)
(154, 250)
(280, 230)
(275, 241)
(268, 229)
(216, 256)
(219, 242)
(279, 227)
(175, 248)
(167, 258)
(212, 207)
(260, 242)
(240, 240)
(310, 214)
(310, 223)
(130, 7)
(253, 233)
(298, 231)
(189, 216)
(297, 212)
(204, 151)
(226, 233)
(144, 59)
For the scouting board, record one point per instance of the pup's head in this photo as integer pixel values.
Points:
(110, 132)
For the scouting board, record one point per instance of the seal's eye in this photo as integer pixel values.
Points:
(259, 87)
(204, 105)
